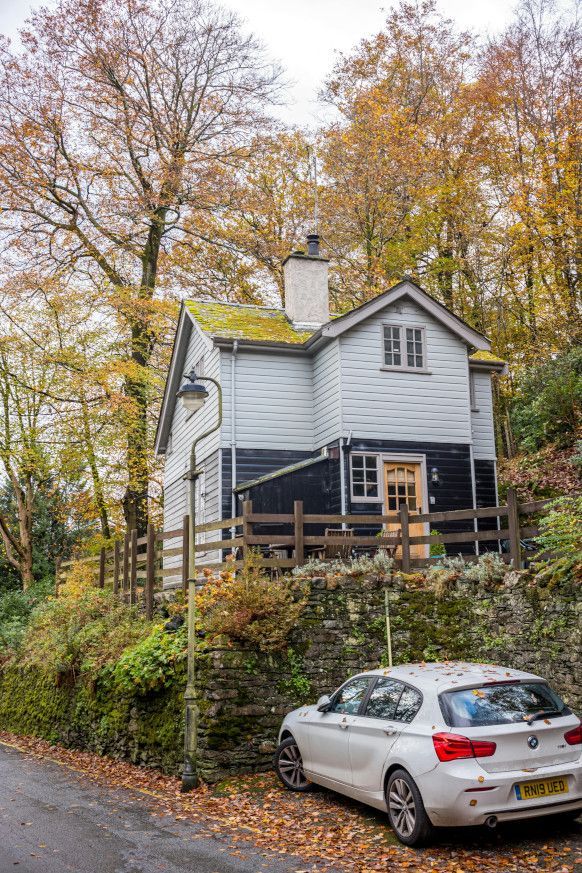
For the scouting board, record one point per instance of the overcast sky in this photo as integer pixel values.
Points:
(306, 35)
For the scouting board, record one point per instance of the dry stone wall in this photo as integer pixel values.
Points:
(244, 695)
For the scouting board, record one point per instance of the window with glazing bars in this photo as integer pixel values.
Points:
(364, 476)
(414, 350)
(392, 346)
(410, 357)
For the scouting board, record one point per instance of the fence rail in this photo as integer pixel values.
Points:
(134, 567)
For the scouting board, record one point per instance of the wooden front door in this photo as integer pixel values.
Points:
(403, 484)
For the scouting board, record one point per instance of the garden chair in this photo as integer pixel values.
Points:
(340, 550)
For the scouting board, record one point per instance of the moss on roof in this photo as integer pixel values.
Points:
(488, 357)
(238, 321)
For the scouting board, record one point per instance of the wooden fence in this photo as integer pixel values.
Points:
(134, 567)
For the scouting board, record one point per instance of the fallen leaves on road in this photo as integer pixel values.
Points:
(323, 830)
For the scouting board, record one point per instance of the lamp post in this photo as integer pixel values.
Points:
(193, 396)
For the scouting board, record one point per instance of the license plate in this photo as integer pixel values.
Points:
(541, 788)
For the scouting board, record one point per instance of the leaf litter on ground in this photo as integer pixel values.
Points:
(322, 829)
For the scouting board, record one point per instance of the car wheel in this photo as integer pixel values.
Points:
(406, 810)
(289, 766)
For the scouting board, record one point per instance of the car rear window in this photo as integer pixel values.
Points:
(503, 703)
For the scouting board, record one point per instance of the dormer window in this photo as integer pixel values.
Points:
(404, 347)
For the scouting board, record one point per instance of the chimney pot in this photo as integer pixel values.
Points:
(313, 245)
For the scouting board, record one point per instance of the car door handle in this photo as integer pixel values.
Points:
(390, 731)
(343, 724)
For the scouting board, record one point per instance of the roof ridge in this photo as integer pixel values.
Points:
(241, 305)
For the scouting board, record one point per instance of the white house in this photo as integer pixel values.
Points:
(390, 402)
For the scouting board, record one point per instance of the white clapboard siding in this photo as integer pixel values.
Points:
(185, 426)
(482, 417)
(176, 505)
(381, 404)
(273, 400)
(326, 396)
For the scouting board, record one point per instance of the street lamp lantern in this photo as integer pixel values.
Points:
(192, 393)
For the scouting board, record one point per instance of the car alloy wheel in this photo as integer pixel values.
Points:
(407, 814)
(402, 808)
(289, 766)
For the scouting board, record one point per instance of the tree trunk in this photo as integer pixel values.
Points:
(445, 272)
(135, 500)
(92, 461)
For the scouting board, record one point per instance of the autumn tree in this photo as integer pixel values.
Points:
(401, 181)
(25, 423)
(529, 92)
(120, 121)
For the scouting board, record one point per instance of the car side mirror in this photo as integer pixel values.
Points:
(324, 703)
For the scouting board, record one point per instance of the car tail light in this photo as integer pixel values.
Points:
(574, 737)
(450, 747)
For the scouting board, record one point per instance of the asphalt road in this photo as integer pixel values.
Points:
(55, 821)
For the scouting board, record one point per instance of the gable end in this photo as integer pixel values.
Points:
(405, 289)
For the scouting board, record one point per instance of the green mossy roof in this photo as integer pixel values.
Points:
(487, 357)
(237, 321)
(264, 324)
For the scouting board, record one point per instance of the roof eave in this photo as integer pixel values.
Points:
(496, 366)
(179, 349)
(259, 345)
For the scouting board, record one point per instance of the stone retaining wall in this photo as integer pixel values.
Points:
(244, 695)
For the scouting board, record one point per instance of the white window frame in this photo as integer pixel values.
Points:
(364, 499)
(403, 367)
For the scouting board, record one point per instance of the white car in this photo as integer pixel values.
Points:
(439, 744)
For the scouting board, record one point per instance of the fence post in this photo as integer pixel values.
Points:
(513, 525)
(133, 570)
(116, 563)
(185, 553)
(298, 523)
(125, 581)
(150, 572)
(102, 568)
(247, 526)
(405, 538)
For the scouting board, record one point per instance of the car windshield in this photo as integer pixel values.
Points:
(500, 704)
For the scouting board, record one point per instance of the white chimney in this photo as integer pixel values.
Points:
(306, 286)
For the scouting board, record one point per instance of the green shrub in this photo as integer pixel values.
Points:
(16, 607)
(436, 549)
(546, 406)
(80, 631)
(150, 663)
(560, 540)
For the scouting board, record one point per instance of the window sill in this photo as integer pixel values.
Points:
(419, 370)
(377, 500)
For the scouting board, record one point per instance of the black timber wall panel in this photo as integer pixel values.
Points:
(454, 492)
(485, 489)
(250, 464)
